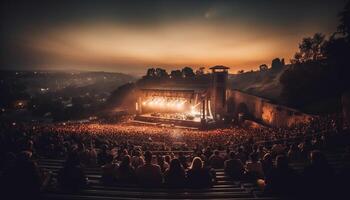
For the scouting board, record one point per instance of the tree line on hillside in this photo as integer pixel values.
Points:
(184, 73)
(320, 69)
(276, 64)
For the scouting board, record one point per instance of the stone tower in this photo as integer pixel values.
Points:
(218, 91)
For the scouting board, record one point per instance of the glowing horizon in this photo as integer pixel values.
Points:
(215, 34)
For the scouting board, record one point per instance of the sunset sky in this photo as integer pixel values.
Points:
(130, 36)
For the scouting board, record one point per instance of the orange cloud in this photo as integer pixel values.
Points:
(169, 45)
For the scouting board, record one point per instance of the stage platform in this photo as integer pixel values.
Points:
(175, 122)
(134, 121)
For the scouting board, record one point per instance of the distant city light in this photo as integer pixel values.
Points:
(19, 104)
(44, 89)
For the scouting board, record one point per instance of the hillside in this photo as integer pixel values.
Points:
(57, 95)
(260, 83)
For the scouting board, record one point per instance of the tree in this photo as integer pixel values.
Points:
(320, 71)
(151, 73)
(306, 83)
(297, 58)
(161, 73)
(155, 73)
(240, 71)
(263, 67)
(344, 26)
(336, 50)
(200, 71)
(187, 72)
(277, 63)
(282, 61)
(310, 49)
(176, 74)
(317, 44)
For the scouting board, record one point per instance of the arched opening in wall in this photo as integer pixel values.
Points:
(242, 111)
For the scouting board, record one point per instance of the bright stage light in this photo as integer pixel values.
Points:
(179, 105)
(165, 103)
(161, 104)
(194, 111)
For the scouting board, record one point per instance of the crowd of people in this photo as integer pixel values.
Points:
(156, 156)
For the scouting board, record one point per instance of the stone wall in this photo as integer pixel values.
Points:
(263, 110)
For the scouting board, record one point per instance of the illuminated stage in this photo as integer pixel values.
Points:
(185, 104)
(174, 105)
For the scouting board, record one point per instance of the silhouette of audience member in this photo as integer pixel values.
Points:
(175, 176)
(234, 167)
(126, 173)
(318, 176)
(293, 153)
(167, 159)
(29, 146)
(91, 157)
(103, 157)
(278, 149)
(72, 177)
(121, 154)
(137, 160)
(82, 153)
(282, 180)
(183, 160)
(109, 170)
(254, 167)
(267, 163)
(22, 179)
(241, 155)
(197, 175)
(261, 151)
(305, 148)
(227, 154)
(162, 164)
(207, 153)
(216, 161)
(149, 175)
